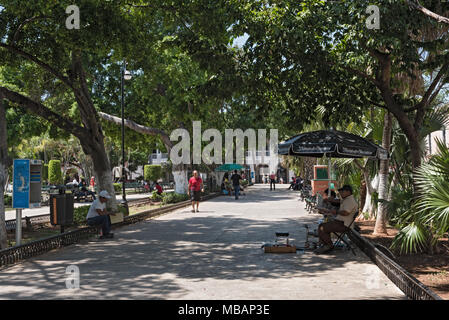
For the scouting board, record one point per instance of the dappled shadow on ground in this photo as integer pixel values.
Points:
(166, 257)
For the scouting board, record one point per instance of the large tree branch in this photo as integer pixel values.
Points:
(139, 128)
(44, 112)
(82, 95)
(430, 92)
(377, 104)
(16, 33)
(416, 5)
(437, 91)
(40, 63)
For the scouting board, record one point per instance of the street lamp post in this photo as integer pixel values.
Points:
(125, 75)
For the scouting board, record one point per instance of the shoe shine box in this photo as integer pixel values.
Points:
(117, 218)
(280, 249)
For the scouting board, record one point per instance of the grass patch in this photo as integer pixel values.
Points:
(139, 209)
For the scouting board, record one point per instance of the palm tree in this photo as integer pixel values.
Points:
(428, 219)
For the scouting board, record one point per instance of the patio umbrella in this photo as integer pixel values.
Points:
(331, 144)
(229, 167)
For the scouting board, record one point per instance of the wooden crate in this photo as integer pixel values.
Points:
(280, 249)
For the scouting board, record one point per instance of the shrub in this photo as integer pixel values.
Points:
(7, 200)
(173, 197)
(54, 172)
(156, 197)
(122, 210)
(117, 187)
(152, 172)
(80, 214)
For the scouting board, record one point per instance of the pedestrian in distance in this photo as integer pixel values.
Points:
(236, 183)
(272, 181)
(194, 190)
(92, 183)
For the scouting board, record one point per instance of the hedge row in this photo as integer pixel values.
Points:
(54, 172)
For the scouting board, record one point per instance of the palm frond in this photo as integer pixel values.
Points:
(411, 239)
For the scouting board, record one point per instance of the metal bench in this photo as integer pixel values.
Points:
(137, 186)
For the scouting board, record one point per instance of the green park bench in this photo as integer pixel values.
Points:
(137, 186)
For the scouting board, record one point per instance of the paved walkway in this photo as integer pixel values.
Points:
(213, 254)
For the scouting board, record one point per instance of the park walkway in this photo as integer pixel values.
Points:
(213, 254)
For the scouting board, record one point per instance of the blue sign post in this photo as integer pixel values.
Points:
(21, 184)
(21, 192)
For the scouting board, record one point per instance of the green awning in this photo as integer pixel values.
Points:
(229, 167)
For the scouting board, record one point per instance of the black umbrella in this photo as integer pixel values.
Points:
(331, 144)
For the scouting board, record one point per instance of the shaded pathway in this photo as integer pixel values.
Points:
(213, 254)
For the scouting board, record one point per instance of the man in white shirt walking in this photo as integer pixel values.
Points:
(99, 216)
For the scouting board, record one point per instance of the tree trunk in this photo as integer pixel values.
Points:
(413, 140)
(394, 182)
(382, 214)
(180, 176)
(362, 195)
(308, 168)
(218, 177)
(369, 207)
(4, 163)
(103, 175)
(92, 138)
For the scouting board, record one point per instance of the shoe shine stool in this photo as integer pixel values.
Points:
(308, 245)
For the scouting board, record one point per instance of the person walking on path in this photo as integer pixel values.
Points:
(194, 190)
(272, 181)
(236, 184)
(99, 216)
(92, 183)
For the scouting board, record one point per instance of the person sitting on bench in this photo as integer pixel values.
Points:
(343, 218)
(83, 189)
(292, 184)
(99, 216)
(158, 188)
(299, 183)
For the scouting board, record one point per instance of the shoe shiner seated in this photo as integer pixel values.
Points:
(342, 218)
(99, 216)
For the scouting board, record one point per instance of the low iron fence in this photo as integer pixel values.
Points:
(37, 247)
(411, 286)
